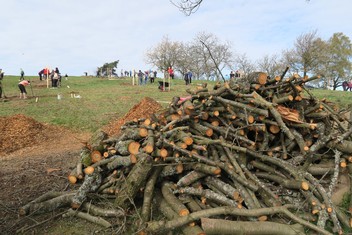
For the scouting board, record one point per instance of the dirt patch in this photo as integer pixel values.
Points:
(143, 109)
(36, 158)
(20, 132)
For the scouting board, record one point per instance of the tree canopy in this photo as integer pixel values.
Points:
(108, 69)
(207, 56)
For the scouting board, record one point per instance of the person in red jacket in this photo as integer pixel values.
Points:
(22, 86)
(171, 72)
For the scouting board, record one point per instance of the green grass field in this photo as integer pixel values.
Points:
(101, 100)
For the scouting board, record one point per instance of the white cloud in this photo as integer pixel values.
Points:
(79, 35)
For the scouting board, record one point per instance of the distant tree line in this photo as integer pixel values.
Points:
(206, 56)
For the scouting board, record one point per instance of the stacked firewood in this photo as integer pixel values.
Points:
(261, 154)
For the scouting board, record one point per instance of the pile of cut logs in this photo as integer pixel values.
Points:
(257, 156)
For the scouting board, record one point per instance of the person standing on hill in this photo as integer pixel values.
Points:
(1, 77)
(232, 75)
(186, 78)
(140, 77)
(22, 86)
(151, 76)
(190, 76)
(171, 72)
(22, 75)
(237, 74)
(55, 79)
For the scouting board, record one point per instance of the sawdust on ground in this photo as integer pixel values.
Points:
(146, 107)
(36, 158)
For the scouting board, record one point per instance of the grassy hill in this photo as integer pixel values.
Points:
(101, 99)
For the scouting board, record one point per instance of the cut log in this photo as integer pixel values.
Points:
(134, 181)
(173, 201)
(220, 226)
(96, 156)
(90, 184)
(127, 147)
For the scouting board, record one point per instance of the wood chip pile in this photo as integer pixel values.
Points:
(260, 156)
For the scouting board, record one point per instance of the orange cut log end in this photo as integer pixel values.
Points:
(183, 212)
(96, 156)
(274, 129)
(209, 132)
(305, 185)
(262, 78)
(143, 132)
(215, 123)
(263, 218)
(343, 164)
(163, 153)
(133, 147)
(149, 148)
(250, 119)
(217, 171)
(89, 170)
(188, 140)
(315, 211)
(72, 179)
(179, 168)
(147, 122)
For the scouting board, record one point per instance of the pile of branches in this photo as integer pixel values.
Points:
(241, 158)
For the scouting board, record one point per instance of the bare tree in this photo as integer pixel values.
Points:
(244, 64)
(214, 55)
(165, 54)
(206, 56)
(187, 6)
(271, 65)
(306, 54)
(184, 62)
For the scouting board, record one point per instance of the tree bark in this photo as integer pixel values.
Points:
(134, 182)
(224, 227)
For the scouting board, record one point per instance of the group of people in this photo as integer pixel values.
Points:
(54, 75)
(235, 74)
(144, 77)
(347, 86)
(21, 85)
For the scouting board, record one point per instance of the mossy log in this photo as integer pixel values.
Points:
(91, 183)
(135, 180)
(127, 147)
(43, 206)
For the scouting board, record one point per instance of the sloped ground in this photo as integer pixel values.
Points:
(143, 109)
(36, 158)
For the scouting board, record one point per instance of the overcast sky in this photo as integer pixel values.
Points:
(79, 35)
